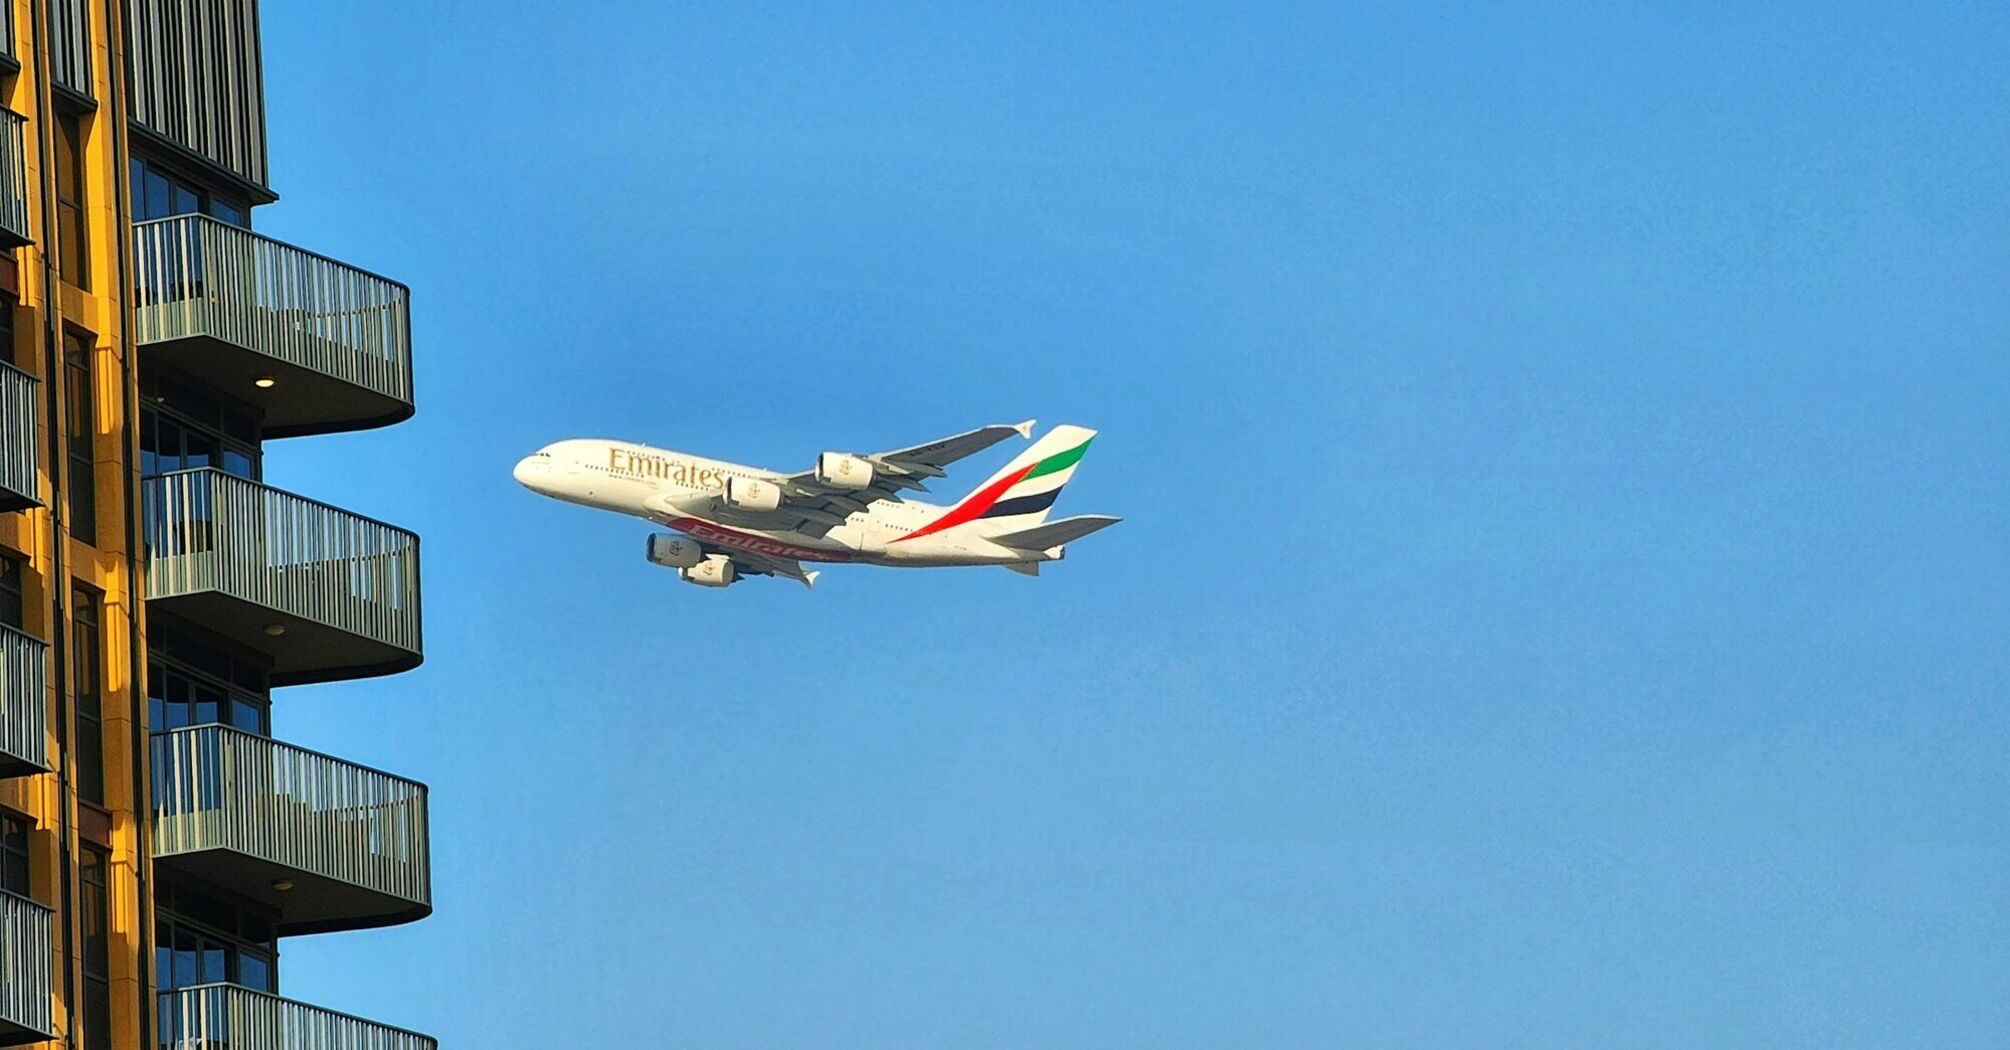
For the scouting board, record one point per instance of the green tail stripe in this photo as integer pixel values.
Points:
(1058, 462)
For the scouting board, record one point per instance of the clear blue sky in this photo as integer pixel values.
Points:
(1563, 595)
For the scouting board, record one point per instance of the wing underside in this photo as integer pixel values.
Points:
(747, 563)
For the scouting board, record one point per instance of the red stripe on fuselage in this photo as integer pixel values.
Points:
(753, 543)
(972, 508)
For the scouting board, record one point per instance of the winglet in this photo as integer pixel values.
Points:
(810, 578)
(1025, 429)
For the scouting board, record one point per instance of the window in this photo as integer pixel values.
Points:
(7, 305)
(97, 949)
(12, 607)
(189, 684)
(14, 854)
(83, 432)
(201, 940)
(158, 193)
(182, 429)
(70, 247)
(88, 690)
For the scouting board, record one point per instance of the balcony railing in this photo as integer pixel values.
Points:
(24, 971)
(18, 457)
(70, 37)
(325, 593)
(348, 843)
(321, 345)
(24, 703)
(14, 228)
(228, 1017)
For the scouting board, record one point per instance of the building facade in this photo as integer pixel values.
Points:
(160, 837)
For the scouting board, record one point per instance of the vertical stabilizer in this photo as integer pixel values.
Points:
(1020, 495)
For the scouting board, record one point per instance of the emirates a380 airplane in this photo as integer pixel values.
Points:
(745, 521)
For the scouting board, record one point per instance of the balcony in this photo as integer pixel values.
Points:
(251, 815)
(14, 226)
(24, 704)
(18, 458)
(24, 971)
(325, 593)
(319, 345)
(227, 1017)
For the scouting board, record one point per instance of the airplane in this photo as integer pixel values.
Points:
(737, 521)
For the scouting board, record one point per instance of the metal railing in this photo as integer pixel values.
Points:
(18, 457)
(198, 276)
(220, 1016)
(24, 699)
(24, 963)
(193, 78)
(212, 531)
(217, 787)
(14, 228)
(70, 38)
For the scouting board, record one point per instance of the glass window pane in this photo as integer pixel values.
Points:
(157, 202)
(184, 960)
(185, 201)
(246, 715)
(208, 705)
(212, 963)
(255, 971)
(202, 450)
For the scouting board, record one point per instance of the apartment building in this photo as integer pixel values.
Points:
(161, 838)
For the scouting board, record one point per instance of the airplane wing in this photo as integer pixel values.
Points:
(818, 507)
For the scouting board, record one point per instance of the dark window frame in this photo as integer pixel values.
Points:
(13, 590)
(175, 922)
(16, 863)
(81, 440)
(178, 686)
(94, 876)
(87, 689)
(146, 175)
(172, 412)
(72, 239)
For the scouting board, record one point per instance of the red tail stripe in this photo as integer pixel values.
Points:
(974, 507)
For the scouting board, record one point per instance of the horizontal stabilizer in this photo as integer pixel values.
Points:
(1055, 533)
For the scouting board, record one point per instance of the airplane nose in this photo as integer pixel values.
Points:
(530, 470)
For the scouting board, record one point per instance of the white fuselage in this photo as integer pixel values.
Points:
(687, 493)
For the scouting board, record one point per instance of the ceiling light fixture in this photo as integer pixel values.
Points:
(264, 382)
(274, 630)
(282, 885)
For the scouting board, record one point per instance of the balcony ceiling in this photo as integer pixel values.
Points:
(305, 653)
(315, 904)
(299, 403)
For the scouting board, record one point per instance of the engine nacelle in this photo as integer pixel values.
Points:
(674, 552)
(752, 494)
(843, 471)
(715, 571)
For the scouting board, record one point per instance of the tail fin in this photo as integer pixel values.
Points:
(1019, 496)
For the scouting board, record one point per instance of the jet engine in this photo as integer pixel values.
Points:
(843, 471)
(674, 552)
(752, 494)
(715, 571)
